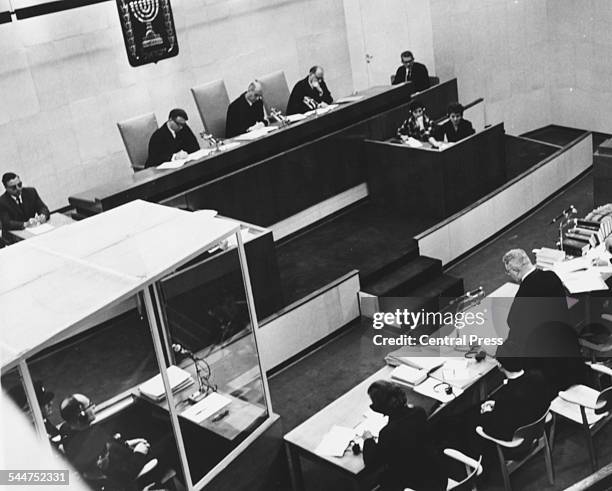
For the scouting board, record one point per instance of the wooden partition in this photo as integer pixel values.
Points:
(435, 183)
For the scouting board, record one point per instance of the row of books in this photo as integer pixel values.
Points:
(585, 235)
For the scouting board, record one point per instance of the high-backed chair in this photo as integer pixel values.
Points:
(526, 442)
(212, 102)
(276, 91)
(136, 133)
(588, 407)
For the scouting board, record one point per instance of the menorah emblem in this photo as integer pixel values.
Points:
(146, 11)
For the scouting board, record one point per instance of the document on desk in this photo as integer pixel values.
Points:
(224, 147)
(373, 422)
(437, 390)
(459, 373)
(350, 98)
(174, 164)
(413, 142)
(335, 442)
(199, 154)
(576, 264)
(583, 281)
(294, 118)
(208, 406)
(40, 229)
(154, 387)
(253, 135)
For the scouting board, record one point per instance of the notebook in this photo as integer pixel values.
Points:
(408, 375)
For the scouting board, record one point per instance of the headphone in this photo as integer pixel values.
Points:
(444, 387)
(478, 355)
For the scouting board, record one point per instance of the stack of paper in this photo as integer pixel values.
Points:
(546, 258)
(408, 375)
(206, 407)
(335, 442)
(154, 387)
(583, 281)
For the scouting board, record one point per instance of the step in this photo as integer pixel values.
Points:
(426, 296)
(405, 278)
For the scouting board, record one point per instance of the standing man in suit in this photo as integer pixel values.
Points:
(246, 113)
(456, 128)
(539, 300)
(173, 140)
(412, 71)
(309, 93)
(20, 207)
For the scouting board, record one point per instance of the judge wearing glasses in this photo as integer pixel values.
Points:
(20, 207)
(172, 141)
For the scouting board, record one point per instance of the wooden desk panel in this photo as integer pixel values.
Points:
(436, 183)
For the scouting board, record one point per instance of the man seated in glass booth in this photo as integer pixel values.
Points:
(112, 462)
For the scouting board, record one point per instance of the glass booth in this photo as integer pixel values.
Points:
(131, 342)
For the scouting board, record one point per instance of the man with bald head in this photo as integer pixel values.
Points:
(309, 93)
(246, 113)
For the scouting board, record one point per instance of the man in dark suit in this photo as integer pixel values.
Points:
(20, 207)
(456, 128)
(173, 140)
(540, 298)
(246, 113)
(309, 93)
(412, 71)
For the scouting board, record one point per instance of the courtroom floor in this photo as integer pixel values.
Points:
(310, 384)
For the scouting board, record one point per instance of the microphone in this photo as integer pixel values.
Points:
(475, 293)
(570, 209)
(179, 349)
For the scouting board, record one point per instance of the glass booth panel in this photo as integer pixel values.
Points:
(111, 435)
(207, 314)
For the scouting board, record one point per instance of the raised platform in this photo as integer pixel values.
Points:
(560, 136)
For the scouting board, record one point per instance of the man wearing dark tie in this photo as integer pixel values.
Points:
(412, 71)
(173, 140)
(246, 113)
(20, 207)
(309, 93)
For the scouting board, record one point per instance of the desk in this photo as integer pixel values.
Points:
(55, 220)
(345, 411)
(436, 183)
(298, 166)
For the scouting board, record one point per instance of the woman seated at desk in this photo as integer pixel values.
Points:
(456, 128)
(418, 125)
(405, 447)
